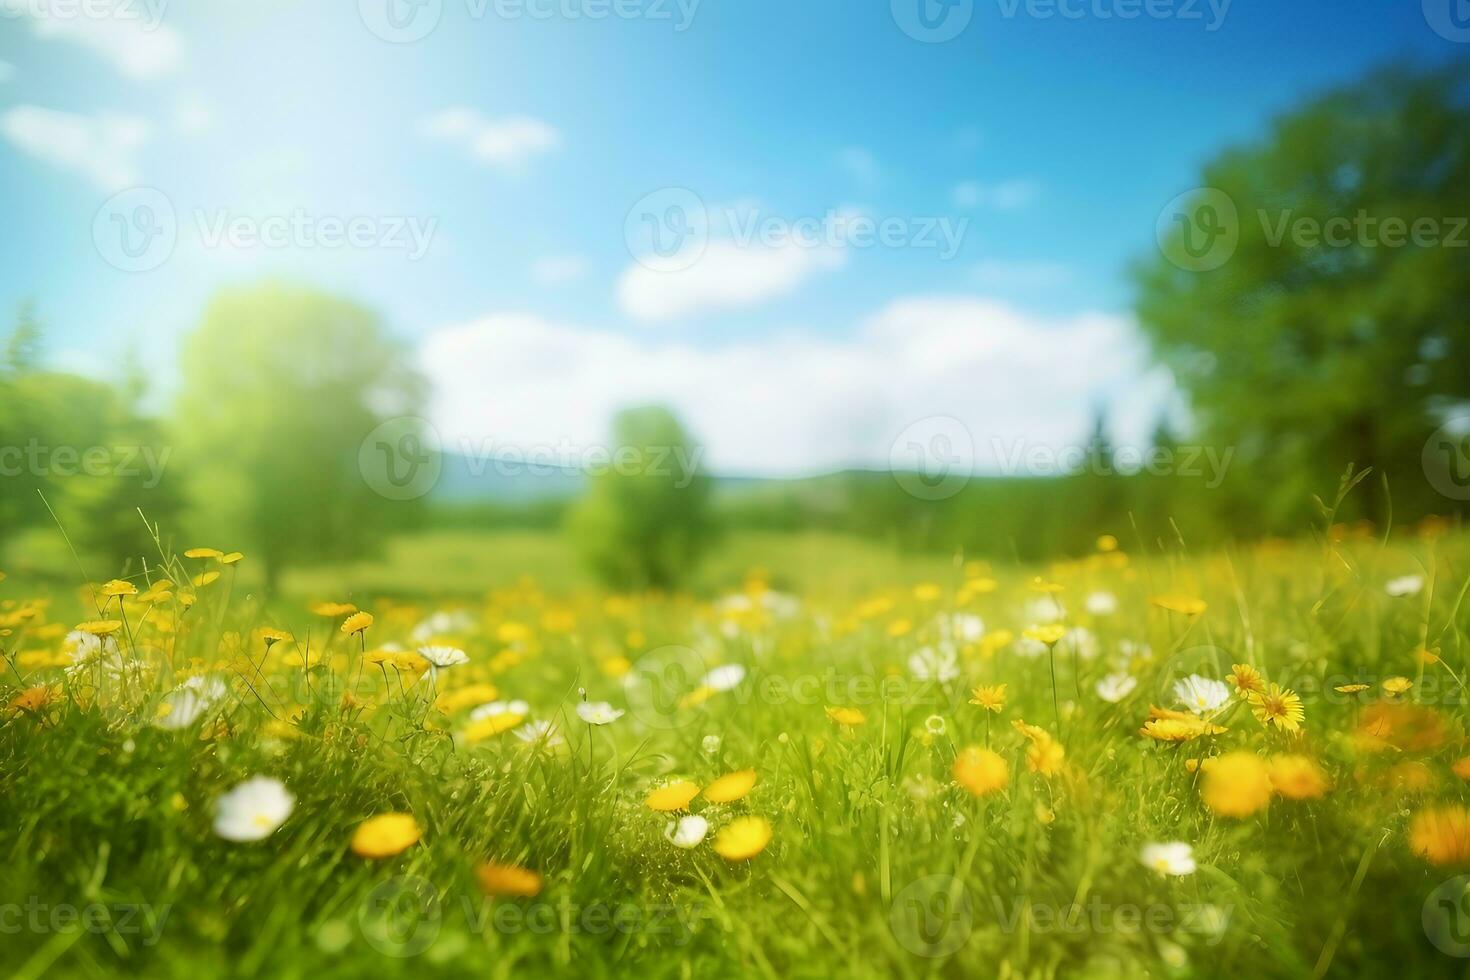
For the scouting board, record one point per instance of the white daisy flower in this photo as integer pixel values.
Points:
(1115, 687)
(687, 832)
(1083, 640)
(253, 809)
(494, 708)
(780, 605)
(444, 656)
(598, 712)
(1201, 695)
(442, 623)
(1131, 651)
(724, 677)
(966, 628)
(1174, 858)
(935, 664)
(190, 701)
(710, 744)
(1028, 648)
(1044, 609)
(734, 604)
(1404, 585)
(542, 733)
(1101, 603)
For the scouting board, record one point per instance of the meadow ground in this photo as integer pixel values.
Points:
(832, 761)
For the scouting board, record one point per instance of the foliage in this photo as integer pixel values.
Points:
(644, 522)
(1307, 352)
(281, 388)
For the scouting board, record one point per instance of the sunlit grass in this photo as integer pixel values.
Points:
(536, 836)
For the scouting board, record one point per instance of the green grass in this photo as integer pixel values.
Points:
(879, 865)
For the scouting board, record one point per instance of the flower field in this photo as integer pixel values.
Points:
(1141, 762)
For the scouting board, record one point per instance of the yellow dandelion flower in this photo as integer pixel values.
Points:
(1045, 758)
(1298, 777)
(332, 610)
(743, 838)
(1179, 729)
(981, 772)
(1397, 685)
(270, 637)
(927, 592)
(386, 835)
(991, 698)
(233, 558)
(34, 698)
(205, 578)
(470, 696)
(1039, 584)
(674, 796)
(356, 623)
(993, 642)
(203, 553)
(118, 588)
(100, 627)
(1461, 767)
(1278, 706)
(489, 727)
(696, 697)
(1247, 679)
(730, 787)
(847, 717)
(508, 880)
(1106, 543)
(900, 627)
(1182, 604)
(1237, 784)
(1048, 633)
(1351, 688)
(1441, 835)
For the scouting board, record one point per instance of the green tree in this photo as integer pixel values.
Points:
(281, 387)
(645, 521)
(1338, 329)
(18, 500)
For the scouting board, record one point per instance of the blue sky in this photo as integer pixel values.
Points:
(517, 140)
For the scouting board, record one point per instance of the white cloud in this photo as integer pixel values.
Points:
(128, 33)
(801, 404)
(509, 142)
(727, 276)
(558, 270)
(101, 148)
(1009, 195)
(192, 114)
